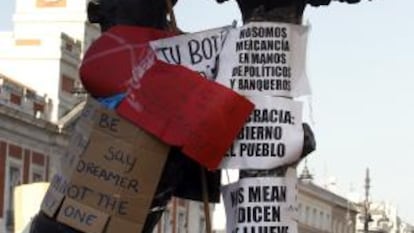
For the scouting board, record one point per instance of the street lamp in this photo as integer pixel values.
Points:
(367, 215)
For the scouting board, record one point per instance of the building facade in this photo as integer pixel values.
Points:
(45, 47)
(39, 62)
(320, 210)
(29, 143)
(383, 217)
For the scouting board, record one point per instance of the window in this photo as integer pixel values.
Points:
(38, 107)
(37, 173)
(15, 99)
(300, 212)
(14, 178)
(36, 177)
(181, 222)
(166, 222)
(68, 46)
(67, 84)
(321, 220)
(314, 218)
(50, 3)
(201, 225)
(30, 94)
(328, 224)
(28, 42)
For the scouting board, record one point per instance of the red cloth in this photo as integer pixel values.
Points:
(108, 63)
(175, 104)
(186, 110)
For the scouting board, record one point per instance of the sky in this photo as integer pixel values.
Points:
(359, 63)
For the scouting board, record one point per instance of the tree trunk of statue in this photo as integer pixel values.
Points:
(290, 12)
(287, 13)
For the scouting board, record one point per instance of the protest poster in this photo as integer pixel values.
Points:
(196, 51)
(261, 205)
(265, 58)
(272, 136)
(110, 176)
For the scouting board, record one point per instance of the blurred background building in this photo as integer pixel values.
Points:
(321, 210)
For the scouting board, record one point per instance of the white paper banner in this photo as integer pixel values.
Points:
(264, 204)
(272, 136)
(196, 51)
(265, 58)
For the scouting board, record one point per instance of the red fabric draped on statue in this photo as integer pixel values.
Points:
(108, 64)
(177, 105)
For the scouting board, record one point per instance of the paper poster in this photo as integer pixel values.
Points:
(265, 58)
(264, 204)
(272, 136)
(196, 51)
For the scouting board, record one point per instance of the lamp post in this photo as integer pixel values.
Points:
(367, 215)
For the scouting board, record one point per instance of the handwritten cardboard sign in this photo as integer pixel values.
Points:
(265, 204)
(271, 137)
(197, 51)
(111, 179)
(265, 58)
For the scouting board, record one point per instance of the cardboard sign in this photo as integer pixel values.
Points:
(265, 204)
(265, 58)
(272, 136)
(111, 179)
(196, 51)
(82, 217)
(52, 201)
